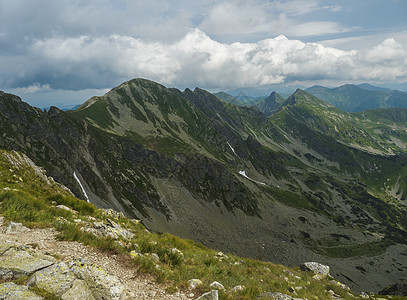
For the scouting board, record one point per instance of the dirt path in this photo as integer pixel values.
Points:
(138, 286)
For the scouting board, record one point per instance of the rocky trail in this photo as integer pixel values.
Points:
(43, 241)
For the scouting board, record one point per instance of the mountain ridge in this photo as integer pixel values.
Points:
(175, 159)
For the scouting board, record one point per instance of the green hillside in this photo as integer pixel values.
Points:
(354, 98)
(27, 195)
(309, 182)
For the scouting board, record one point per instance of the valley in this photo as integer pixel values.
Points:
(299, 180)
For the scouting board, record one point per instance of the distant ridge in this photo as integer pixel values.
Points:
(356, 98)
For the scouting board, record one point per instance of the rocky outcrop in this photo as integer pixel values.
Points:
(315, 267)
(14, 227)
(109, 229)
(17, 261)
(12, 291)
(74, 279)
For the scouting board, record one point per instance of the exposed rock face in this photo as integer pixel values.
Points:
(12, 291)
(109, 229)
(17, 261)
(172, 160)
(315, 267)
(14, 227)
(75, 279)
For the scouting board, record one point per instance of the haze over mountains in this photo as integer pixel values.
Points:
(290, 180)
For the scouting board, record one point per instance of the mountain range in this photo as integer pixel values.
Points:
(290, 180)
(348, 97)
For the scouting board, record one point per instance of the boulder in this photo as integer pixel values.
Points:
(194, 283)
(176, 252)
(217, 286)
(56, 279)
(77, 277)
(79, 290)
(15, 228)
(212, 295)
(17, 261)
(274, 296)
(315, 267)
(12, 291)
(102, 284)
(63, 207)
(237, 289)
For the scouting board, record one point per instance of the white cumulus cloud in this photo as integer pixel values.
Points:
(196, 59)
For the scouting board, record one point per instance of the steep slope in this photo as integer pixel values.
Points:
(72, 240)
(354, 98)
(311, 182)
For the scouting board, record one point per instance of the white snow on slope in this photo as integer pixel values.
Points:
(231, 148)
(243, 173)
(83, 189)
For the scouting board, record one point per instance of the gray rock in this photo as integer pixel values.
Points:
(155, 257)
(194, 283)
(77, 277)
(177, 252)
(102, 284)
(315, 267)
(276, 296)
(237, 288)
(61, 206)
(12, 291)
(14, 228)
(212, 295)
(17, 261)
(79, 290)
(110, 229)
(217, 286)
(56, 279)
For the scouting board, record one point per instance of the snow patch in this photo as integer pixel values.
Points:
(80, 184)
(243, 173)
(231, 148)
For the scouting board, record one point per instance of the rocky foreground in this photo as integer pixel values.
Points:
(43, 267)
(34, 265)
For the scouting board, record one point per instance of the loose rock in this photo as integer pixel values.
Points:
(194, 283)
(212, 295)
(315, 267)
(238, 288)
(14, 228)
(217, 286)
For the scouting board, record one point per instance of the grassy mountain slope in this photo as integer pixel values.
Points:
(354, 98)
(311, 182)
(27, 195)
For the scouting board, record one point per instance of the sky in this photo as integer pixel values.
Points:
(62, 52)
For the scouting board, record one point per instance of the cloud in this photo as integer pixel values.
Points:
(34, 88)
(254, 17)
(98, 44)
(196, 59)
